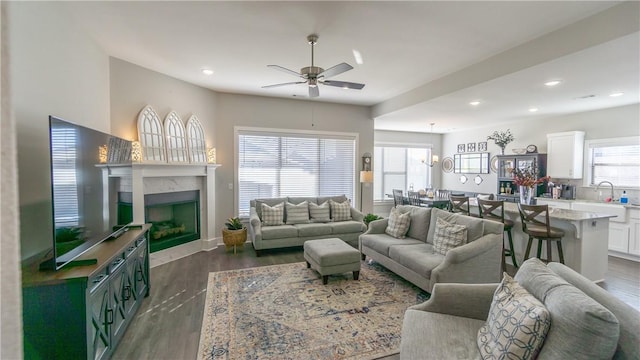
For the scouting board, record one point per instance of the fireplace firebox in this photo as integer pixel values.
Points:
(174, 216)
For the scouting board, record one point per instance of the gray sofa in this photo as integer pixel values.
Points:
(582, 313)
(414, 258)
(271, 237)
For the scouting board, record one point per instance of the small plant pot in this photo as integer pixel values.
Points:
(234, 238)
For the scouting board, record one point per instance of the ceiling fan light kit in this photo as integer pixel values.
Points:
(314, 75)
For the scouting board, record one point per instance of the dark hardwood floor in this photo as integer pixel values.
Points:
(167, 326)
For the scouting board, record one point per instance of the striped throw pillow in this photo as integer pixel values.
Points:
(340, 211)
(297, 214)
(273, 215)
(448, 236)
(398, 224)
(319, 213)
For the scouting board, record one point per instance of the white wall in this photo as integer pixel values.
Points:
(608, 123)
(10, 286)
(133, 87)
(55, 70)
(256, 111)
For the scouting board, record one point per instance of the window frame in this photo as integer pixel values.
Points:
(244, 130)
(405, 146)
(588, 161)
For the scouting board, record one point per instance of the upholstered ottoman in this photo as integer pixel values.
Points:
(331, 256)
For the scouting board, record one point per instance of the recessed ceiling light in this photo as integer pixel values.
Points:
(615, 94)
(552, 83)
(207, 71)
(533, 109)
(475, 103)
(357, 56)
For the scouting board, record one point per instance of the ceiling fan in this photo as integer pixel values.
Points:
(314, 75)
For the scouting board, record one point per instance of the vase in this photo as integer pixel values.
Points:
(502, 150)
(526, 195)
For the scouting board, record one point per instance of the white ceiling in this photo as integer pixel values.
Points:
(423, 61)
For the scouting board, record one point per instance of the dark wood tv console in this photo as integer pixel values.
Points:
(82, 312)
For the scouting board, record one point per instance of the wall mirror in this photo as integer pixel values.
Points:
(471, 163)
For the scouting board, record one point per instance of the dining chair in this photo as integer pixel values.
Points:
(414, 198)
(494, 210)
(536, 224)
(459, 204)
(398, 197)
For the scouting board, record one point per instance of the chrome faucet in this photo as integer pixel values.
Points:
(604, 182)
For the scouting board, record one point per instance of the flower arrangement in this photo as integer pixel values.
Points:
(501, 138)
(528, 177)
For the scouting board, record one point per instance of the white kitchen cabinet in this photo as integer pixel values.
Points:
(634, 234)
(565, 154)
(619, 237)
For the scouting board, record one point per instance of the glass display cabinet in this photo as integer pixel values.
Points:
(506, 189)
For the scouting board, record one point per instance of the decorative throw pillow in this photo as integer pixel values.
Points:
(273, 215)
(448, 236)
(517, 324)
(398, 224)
(340, 211)
(297, 214)
(319, 213)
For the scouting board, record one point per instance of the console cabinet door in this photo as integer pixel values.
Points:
(100, 316)
(117, 300)
(142, 266)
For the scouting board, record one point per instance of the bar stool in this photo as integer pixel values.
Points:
(494, 210)
(398, 198)
(539, 229)
(459, 204)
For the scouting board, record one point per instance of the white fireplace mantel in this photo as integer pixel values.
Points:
(139, 171)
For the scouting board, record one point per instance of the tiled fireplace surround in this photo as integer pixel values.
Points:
(142, 179)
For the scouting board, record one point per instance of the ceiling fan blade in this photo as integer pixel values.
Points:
(283, 84)
(313, 91)
(283, 69)
(343, 84)
(336, 70)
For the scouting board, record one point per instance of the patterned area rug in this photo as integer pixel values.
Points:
(284, 312)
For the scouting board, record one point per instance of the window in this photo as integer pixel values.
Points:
(400, 168)
(65, 183)
(280, 164)
(615, 160)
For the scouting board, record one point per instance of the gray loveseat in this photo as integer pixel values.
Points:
(279, 236)
(587, 322)
(414, 258)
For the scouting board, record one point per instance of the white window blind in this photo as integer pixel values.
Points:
(400, 168)
(619, 164)
(279, 165)
(65, 183)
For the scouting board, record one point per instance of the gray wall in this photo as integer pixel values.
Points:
(256, 111)
(600, 124)
(55, 70)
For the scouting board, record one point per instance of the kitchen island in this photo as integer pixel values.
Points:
(585, 241)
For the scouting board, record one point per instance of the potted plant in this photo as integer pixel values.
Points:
(501, 138)
(369, 218)
(235, 233)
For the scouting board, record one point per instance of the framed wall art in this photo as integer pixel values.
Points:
(471, 147)
(482, 146)
(461, 148)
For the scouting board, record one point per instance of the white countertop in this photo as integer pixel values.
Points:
(628, 206)
(555, 213)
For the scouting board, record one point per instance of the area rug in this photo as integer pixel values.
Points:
(284, 312)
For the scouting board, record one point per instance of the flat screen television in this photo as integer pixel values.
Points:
(84, 206)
